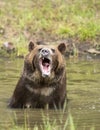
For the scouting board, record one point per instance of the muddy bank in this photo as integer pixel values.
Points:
(75, 48)
(86, 49)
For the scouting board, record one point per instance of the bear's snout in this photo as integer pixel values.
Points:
(45, 52)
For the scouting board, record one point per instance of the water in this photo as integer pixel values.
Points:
(83, 89)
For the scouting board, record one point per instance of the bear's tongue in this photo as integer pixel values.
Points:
(45, 67)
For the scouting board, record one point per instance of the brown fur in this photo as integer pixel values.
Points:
(36, 91)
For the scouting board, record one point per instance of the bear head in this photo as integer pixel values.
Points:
(45, 59)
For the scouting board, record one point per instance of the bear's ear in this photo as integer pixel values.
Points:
(31, 45)
(62, 48)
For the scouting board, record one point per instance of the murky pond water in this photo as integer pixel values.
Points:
(83, 79)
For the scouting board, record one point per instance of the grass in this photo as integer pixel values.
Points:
(47, 124)
(21, 20)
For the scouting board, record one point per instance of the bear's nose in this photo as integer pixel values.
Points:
(45, 52)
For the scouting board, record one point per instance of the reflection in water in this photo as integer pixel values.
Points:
(83, 94)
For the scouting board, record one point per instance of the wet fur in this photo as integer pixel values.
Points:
(34, 91)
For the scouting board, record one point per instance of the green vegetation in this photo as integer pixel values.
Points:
(47, 125)
(21, 20)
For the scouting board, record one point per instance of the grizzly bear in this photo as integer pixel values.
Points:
(43, 80)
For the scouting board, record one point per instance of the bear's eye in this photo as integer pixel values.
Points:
(39, 49)
(53, 50)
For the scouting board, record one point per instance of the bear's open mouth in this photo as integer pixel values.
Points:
(45, 66)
